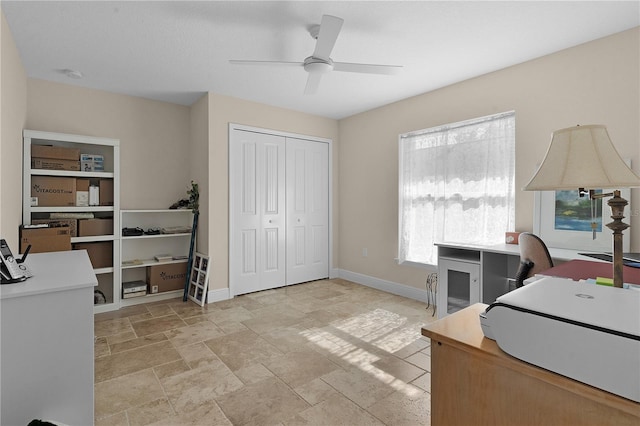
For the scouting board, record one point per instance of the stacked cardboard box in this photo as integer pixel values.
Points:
(54, 164)
(106, 192)
(45, 239)
(54, 157)
(71, 223)
(100, 253)
(91, 227)
(53, 191)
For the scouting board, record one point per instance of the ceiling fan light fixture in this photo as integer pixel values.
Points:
(318, 66)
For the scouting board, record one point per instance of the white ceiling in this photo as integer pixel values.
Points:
(177, 50)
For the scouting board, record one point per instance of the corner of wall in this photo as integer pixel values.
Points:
(13, 116)
(199, 165)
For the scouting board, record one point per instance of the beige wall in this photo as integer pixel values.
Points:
(154, 137)
(199, 164)
(13, 111)
(224, 110)
(595, 83)
(164, 146)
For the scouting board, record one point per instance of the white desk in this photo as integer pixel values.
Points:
(46, 341)
(480, 273)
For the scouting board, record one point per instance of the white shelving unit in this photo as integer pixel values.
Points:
(143, 248)
(110, 149)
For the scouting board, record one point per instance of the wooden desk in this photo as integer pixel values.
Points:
(473, 382)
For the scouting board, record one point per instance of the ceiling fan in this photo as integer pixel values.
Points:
(319, 62)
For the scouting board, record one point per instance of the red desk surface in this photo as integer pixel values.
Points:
(584, 269)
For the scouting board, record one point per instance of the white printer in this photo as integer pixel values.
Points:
(588, 332)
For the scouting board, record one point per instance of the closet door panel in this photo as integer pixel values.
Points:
(307, 210)
(257, 234)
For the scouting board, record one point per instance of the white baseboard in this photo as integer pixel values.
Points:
(221, 294)
(388, 286)
(218, 295)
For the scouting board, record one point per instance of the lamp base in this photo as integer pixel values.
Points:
(617, 204)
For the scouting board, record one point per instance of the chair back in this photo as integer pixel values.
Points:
(534, 257)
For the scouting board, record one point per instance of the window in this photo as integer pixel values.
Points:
(456, 185)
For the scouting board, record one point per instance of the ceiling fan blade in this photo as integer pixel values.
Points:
(313, 81)
(329, 29)
(267, 63)
(367, 68)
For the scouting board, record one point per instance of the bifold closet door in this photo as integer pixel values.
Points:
(257, 214)
(307, 210)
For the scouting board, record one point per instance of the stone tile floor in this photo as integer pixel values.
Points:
(328, 352)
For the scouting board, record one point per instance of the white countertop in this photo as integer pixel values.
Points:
(52, 272)
(514, 249)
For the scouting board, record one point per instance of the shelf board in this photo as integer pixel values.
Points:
(70, 209)
(152, 297)
(94, 238)
(101, 271)
(152, 262)
(70, 173)
(139, 237)
(125, 212)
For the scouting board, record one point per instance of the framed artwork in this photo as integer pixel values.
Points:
(563, 220)
(199, 279)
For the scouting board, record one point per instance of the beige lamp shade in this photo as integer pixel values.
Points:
(582, 157)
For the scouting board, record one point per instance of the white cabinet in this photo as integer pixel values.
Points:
(164, 233)
(459, 284)
(103, 248)
(47, 342)
(469, 273)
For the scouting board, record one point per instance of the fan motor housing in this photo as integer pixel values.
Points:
(317, 65)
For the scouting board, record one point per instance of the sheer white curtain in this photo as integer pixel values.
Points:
(456, 185)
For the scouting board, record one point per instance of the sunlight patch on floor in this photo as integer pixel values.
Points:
(328, 341)
(380, 328)
(397, 340)
(371, 325)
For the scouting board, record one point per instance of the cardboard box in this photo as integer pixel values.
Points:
(82, 192)
(54, 164)
(91, 227)
(45, 239)
(166, 277)
(71, 223)
(92, 162)
(98, 163)
(53, 191)
(49, 151)
(100, 254)
(106, 192)
(511, 237)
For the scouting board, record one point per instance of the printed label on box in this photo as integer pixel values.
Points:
(54, 191)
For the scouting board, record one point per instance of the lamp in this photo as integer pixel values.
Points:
(584, 157)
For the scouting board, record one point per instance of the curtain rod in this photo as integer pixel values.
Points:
(457, 125)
